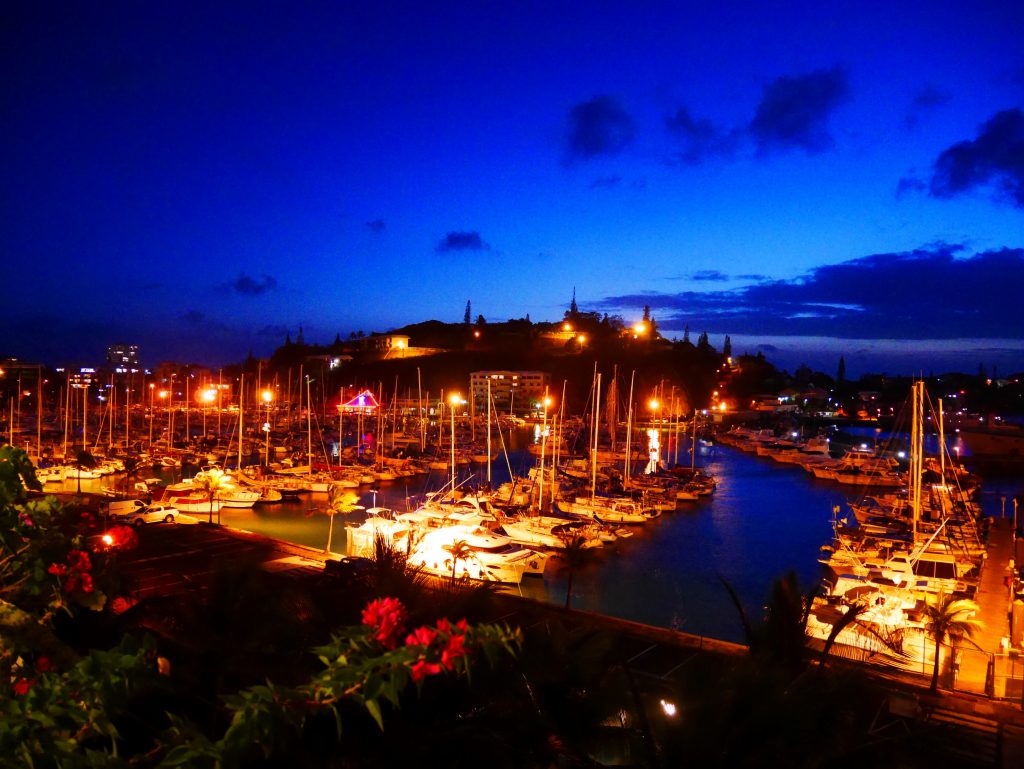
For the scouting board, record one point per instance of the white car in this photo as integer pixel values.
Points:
(151, 514)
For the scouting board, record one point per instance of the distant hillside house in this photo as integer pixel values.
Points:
(391, 346)
(511, 391)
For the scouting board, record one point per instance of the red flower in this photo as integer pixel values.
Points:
(87, 586)
(25, 520)
(422, 669)
(455, 650)
(387, 616)
(79, 560)
(43, 664)
(22, 685)
(422, 636)
(58, 569)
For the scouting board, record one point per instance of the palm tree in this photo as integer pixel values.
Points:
(210, 482)
(460, 551)
(949, 617)
(339, 500)
(576, 554)
(83, 459)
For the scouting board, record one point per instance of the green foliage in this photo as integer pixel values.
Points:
(68, 718)
(16, 475)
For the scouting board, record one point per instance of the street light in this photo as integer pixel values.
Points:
(543, 442)
(267, 397)
(454, 400)
(654, 448)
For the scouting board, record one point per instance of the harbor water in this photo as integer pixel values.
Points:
(763, 520)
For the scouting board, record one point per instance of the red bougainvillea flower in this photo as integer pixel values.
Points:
(58, 570)
(44, 665)
(79, 560)
(387, 617)
(455, 650)
(22, 685)
(421, 636)
(25, 520)
(422, 669)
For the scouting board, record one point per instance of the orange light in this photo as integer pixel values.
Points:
(476, 334)
(566, 327)
(455, 399)
(267, 396)
(640, 328)
(582, 338)
(653, 404)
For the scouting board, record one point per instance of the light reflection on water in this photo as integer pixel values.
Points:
(764, 519)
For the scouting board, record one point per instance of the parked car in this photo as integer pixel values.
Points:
(151, 514)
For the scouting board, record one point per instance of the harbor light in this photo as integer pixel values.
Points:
(267, 396)
(566, 327)
(668, 708)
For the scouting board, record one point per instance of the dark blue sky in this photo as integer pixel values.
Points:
(809, 178)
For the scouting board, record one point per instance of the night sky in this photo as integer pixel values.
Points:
(813, 179)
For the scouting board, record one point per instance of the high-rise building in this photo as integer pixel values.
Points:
(123, 356)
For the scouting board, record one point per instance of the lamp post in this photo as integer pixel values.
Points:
(654, 452)
(454, 399)
(151, 415)
(543, 445)
(267, 397)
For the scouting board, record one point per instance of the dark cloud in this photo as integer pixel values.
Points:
(752, 276)
(931, 96)
(376, 226)
(928, 98)
(794, 111)
(709, 275)
(909, 184)
(697, 140)
(461, 241)
(994, 158)
(605, 181)
(929, 293)
(597, 127)
(246, 285)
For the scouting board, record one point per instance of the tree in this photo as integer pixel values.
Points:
(339, 500)
(841, 371)
(468, 313)
(480, 320)
(727, 347)
(83, 460)
(686, 334)
(460, 551)
(210, 482)
(16, 474)
(949, 617)
(647, 313)
(703, 343)
(574, 310)
(575, 555)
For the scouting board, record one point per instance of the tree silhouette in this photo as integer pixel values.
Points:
(576, 555)
(460, 551)
(948, 617)
(339, 500)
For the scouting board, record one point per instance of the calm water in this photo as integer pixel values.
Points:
(764, 519)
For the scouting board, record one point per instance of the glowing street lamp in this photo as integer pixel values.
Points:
(543, 442)
(267, 396)
(454, 400)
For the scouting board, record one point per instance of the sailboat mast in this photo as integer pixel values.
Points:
(629, 428)
(593, 453)
(488, 432)
(241, 401)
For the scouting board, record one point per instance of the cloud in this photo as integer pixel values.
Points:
(246, 285)
(929, 293)
(794, 111)
(752, 276)
(928, 98)
(994, 158)
(605, 181)
(909, 184)
(697, 140)
(597, 127)
(709, 275)
(376, 226)
(461, 241)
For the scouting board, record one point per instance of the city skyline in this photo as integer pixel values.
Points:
(812, 182)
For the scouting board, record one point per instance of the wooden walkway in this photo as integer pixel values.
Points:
(993, 598)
